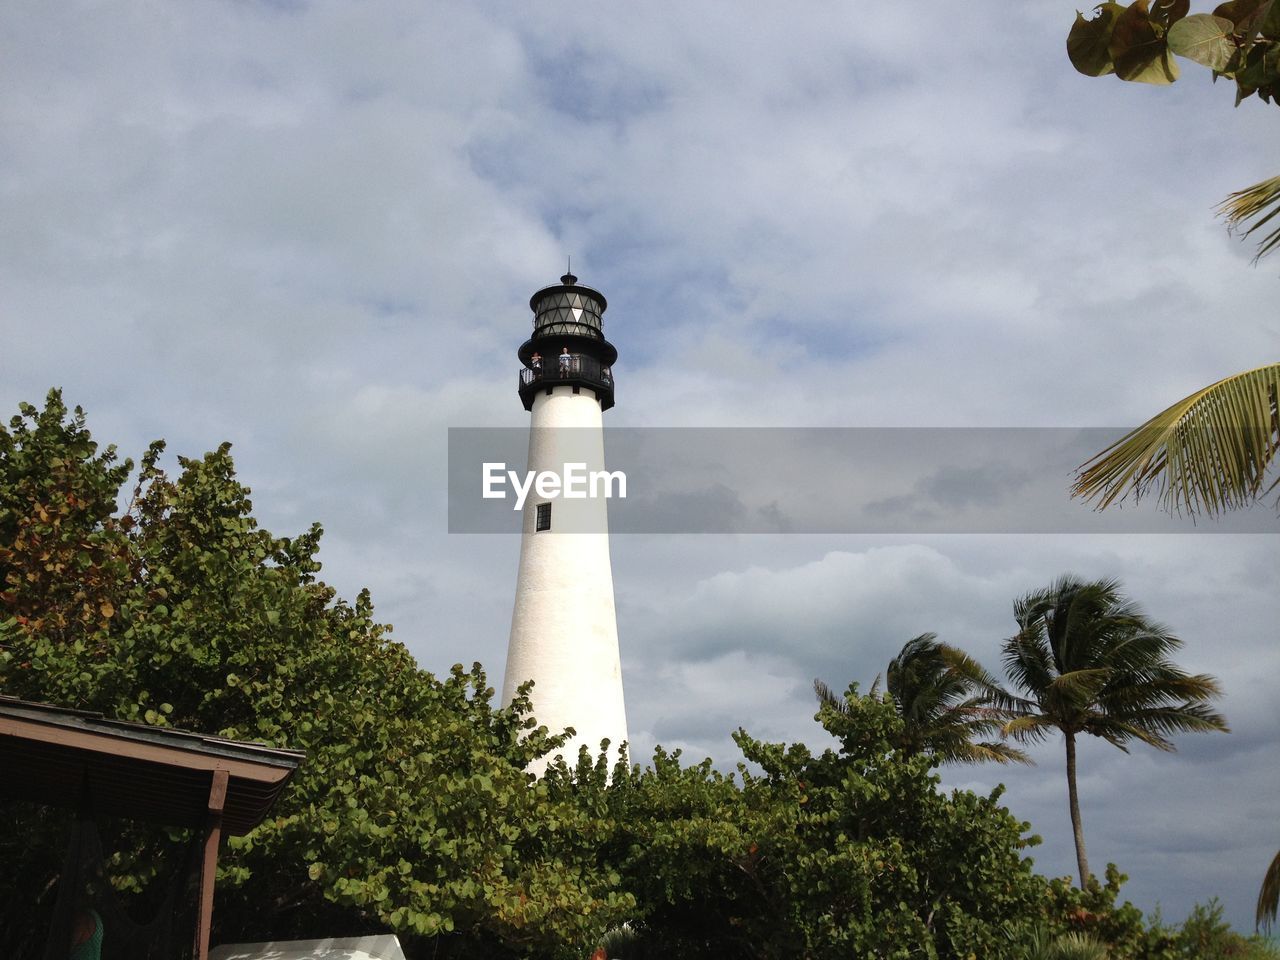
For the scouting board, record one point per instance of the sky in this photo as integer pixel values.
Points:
(312, 229)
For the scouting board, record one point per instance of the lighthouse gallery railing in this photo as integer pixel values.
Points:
(564, 368)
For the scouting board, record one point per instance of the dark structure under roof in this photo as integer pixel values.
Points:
(52, 755)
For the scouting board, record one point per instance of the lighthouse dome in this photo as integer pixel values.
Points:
(568, 309)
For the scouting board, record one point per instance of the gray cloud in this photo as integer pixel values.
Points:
(313, 229)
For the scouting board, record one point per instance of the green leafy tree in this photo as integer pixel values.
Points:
(412, 811)
(851, 852)
(1204, 935)
(940, 694)
(1098, 915)
(1087, 661)
(162, 601)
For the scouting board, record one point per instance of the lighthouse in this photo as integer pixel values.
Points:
(564, 630)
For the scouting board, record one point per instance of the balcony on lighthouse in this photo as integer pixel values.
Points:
(567, 369)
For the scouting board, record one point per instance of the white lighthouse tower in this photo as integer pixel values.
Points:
(564, 631)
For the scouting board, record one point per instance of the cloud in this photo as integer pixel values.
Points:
(313, 230)
(952, 488)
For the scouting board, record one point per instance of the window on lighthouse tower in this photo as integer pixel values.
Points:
(543, 520)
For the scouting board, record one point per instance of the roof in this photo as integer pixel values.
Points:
(54, 755)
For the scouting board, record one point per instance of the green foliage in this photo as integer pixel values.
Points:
(1204, 935)
(1206, 39)
(1210, 452)
(850, 852)
(1098, 915)
(1040, 944)
(1096, 912)
(1240, 40)
(62, 554)
(412, 811)
(1259, 203)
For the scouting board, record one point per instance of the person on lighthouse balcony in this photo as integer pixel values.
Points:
(565, 361)
(535, 364)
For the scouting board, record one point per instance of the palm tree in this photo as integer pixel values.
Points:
(1088, 661)
(1208, 452)
(1269, 896)
(940, 693)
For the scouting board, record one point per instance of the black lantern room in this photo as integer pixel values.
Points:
(567, 347)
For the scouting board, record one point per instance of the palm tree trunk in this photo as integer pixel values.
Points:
(1082, 861)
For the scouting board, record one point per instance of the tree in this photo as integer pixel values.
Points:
(412, 811)
(850, 852)
(940, 694)
(1088, 661)
(1239, 40)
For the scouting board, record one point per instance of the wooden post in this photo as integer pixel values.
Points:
(209, 862)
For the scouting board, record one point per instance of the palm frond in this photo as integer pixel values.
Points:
(829, 698)
(1118, 733)
(1167, 720)
(1142, 689)
(1207, 453)
(1269, 896)
(984, 751)
(1079, 686)
(1260, 203)
(946, 700)
(1039, 943)
(963, 665)
(1032, 728)
(1142, 644)
(1028, 661)
(998, 704)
